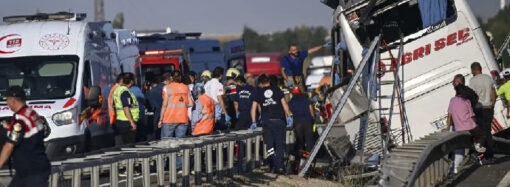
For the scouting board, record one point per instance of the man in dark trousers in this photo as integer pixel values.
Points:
(292, 65)
(25, 141)
(274, 112)
(302, 109)
(127, 111)
(155, 99)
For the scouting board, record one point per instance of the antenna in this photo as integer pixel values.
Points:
(68, 23)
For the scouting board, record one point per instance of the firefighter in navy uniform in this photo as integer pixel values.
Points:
(274, 112)
(25, 141)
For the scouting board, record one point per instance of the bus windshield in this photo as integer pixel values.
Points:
(42, 77)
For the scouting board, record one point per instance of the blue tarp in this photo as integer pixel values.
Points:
(432, 11)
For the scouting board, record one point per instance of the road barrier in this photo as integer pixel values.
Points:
(167, 153)
(425, 162)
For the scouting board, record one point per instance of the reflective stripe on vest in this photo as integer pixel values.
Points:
(134, 108)
(206, 123)
(177, 108)
(111, 110)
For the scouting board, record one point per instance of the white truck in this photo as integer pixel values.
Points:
(434, 51)
(65, 66)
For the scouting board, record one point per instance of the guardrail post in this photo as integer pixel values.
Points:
(76, 179)
(146, 172)
(230, 165)
(185, 168)
(172, 163)
(257, 150)
(114, 174)
(209, 169)
(198, 165)
(54, 179)
(161, 170)
(249, 150)
(130, 171)
(94, 176)
(219, 160)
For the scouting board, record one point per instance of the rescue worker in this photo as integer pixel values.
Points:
(242, 102)
(174, 111)
(214, 89)
(231, 92)
(202, 122)
(205, 76)
(303, 112)
(25, 143)
(505, 90)
(111, 109)
(292, 64)
(126, 109)
(274, 111)
(155, 99)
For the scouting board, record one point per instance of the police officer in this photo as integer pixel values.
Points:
(126, 109)
(274, 111)
(25, 142)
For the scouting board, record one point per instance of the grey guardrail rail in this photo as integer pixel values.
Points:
(424, 162)
(166, 151)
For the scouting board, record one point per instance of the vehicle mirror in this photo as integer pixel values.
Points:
(93, 99)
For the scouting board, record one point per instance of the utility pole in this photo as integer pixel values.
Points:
(98, 10)
(501, 4)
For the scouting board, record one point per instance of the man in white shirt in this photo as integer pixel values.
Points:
(483, 85)
(215, 90)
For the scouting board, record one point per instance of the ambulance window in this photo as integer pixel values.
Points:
(87, 78)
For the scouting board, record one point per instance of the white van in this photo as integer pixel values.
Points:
(57, 58)
(434, 51)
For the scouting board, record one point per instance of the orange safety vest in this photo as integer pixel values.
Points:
(111, 109)
(206, 124)
(177, 110)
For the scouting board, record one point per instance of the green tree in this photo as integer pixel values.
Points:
(499, 26)
(118, 22)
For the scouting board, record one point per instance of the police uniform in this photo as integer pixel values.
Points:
(244, 97)
(123, 97)
(273, 120)
(26, 132)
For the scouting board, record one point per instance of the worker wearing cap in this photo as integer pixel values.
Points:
(126, 109)
(505, 90)
(274, 112)
(202, 122)
(25, 142)
(303, 112)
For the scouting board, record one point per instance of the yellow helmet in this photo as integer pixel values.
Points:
(206, 73)
(233, 72)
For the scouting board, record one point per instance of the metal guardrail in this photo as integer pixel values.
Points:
(159, 152)
(424, 162)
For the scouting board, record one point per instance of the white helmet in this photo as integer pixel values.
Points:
(205, 76)
(233, 72)
(505, 72)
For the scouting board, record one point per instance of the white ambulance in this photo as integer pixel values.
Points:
(63, 63)
(434, 51)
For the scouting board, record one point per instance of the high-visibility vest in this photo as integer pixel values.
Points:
(111, 109)
(134, 108)
(176, 110)
(206, 125)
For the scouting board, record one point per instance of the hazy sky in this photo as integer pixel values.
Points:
(207, 16)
